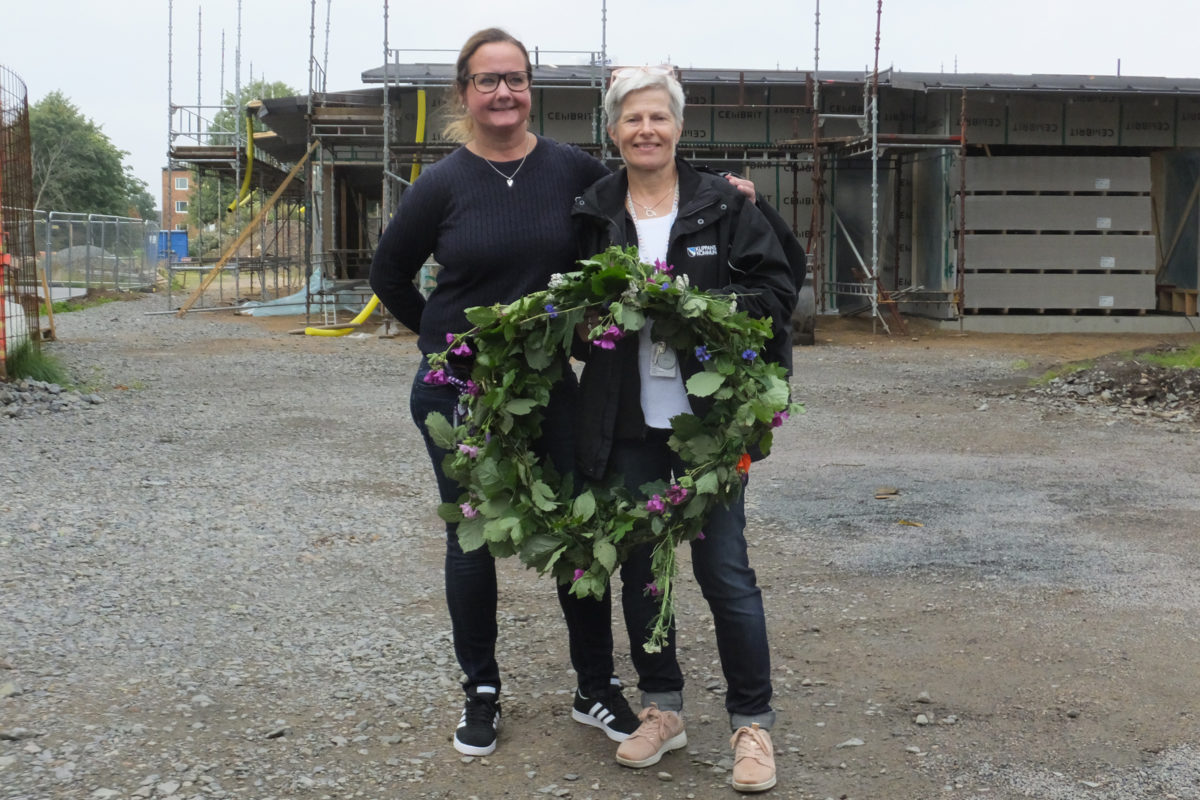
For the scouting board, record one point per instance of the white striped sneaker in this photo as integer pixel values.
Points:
(608, 711)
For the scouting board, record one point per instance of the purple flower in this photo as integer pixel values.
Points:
(462, 350)
(666, 284)
(652, 588)
(676, 494)
(662, 266)
(609, 338)
(702, 353)
(578, 574)
(700, 535)
(749, 355)
(468, 450)
(473, 389)
(435, 377)
(655, 505)
(551, 310)
(469, 511)
(779, 418)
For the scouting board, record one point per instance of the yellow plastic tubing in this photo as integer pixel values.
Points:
(244, 192)
(416, 170)
(362, 315)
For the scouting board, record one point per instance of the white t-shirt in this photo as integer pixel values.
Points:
(662, 397)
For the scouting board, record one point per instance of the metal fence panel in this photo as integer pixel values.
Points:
(98, 251)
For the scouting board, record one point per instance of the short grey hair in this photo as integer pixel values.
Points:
(635, 79)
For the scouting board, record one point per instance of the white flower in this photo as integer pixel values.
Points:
(681, 281)
(631, 292)
(733, 306)
(557, 280)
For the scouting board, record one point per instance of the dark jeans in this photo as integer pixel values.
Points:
(722, 568)
(471, 577)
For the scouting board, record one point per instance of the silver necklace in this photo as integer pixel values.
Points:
(509, 178)
(649, 210)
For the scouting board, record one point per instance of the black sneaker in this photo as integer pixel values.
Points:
(476, 733)
(607, 711)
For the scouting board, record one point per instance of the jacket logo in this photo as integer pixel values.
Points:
(702, 250)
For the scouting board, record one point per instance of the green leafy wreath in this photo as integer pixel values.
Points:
(518, 505)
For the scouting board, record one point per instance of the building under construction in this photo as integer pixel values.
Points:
(998, 202)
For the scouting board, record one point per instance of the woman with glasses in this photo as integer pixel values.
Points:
(712, 234)
(495, 214)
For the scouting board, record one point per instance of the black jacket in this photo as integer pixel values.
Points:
(721, 242)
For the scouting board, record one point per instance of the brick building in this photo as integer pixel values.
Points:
(177, 185)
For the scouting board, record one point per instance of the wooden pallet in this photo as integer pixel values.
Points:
(1177, 301)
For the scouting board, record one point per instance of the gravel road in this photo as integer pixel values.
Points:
(220, 577)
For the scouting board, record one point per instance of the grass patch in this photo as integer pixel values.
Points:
(80, 303)
(1062, 371)
(27, 361)
(1184, 359)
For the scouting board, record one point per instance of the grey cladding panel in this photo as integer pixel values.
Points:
(1057, 213)
(1126, 292)
(1058, 174)
(1060, 252)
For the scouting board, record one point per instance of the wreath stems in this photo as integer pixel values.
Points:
(515, 504)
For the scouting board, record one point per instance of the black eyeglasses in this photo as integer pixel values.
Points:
(488, 82)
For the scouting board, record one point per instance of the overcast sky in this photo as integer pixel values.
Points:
(111, 59)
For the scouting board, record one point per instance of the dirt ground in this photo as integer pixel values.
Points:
(975, 589)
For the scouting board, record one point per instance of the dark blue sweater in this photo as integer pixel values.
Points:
(494, 243)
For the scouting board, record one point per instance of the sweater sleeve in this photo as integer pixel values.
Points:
(405, 245)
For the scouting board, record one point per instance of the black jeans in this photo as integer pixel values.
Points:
(722, 568)
(471, 590)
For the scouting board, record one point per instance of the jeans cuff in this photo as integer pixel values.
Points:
(765, 720)
(666, 701)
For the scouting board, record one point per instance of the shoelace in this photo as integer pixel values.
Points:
(480, 711)
(749, 743)
(653, 724)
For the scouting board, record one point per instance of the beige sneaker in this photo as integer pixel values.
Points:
(659, 732)
(753, 759)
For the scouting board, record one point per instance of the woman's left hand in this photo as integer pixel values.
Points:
(743, 185)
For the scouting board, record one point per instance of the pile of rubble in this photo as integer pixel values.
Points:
(1131, 385)
(26, 398)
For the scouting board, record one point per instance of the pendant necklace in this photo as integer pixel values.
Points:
(648, 210)
(509, 178)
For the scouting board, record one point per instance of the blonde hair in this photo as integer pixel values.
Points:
(457, 125)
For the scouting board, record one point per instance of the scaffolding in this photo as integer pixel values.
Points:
(864, 277)
(224, 159)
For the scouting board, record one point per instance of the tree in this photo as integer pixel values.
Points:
(225, 120)
(141, 202)
(212, 196)
(75, 166)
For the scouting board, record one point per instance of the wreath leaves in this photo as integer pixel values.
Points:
(515, 503)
